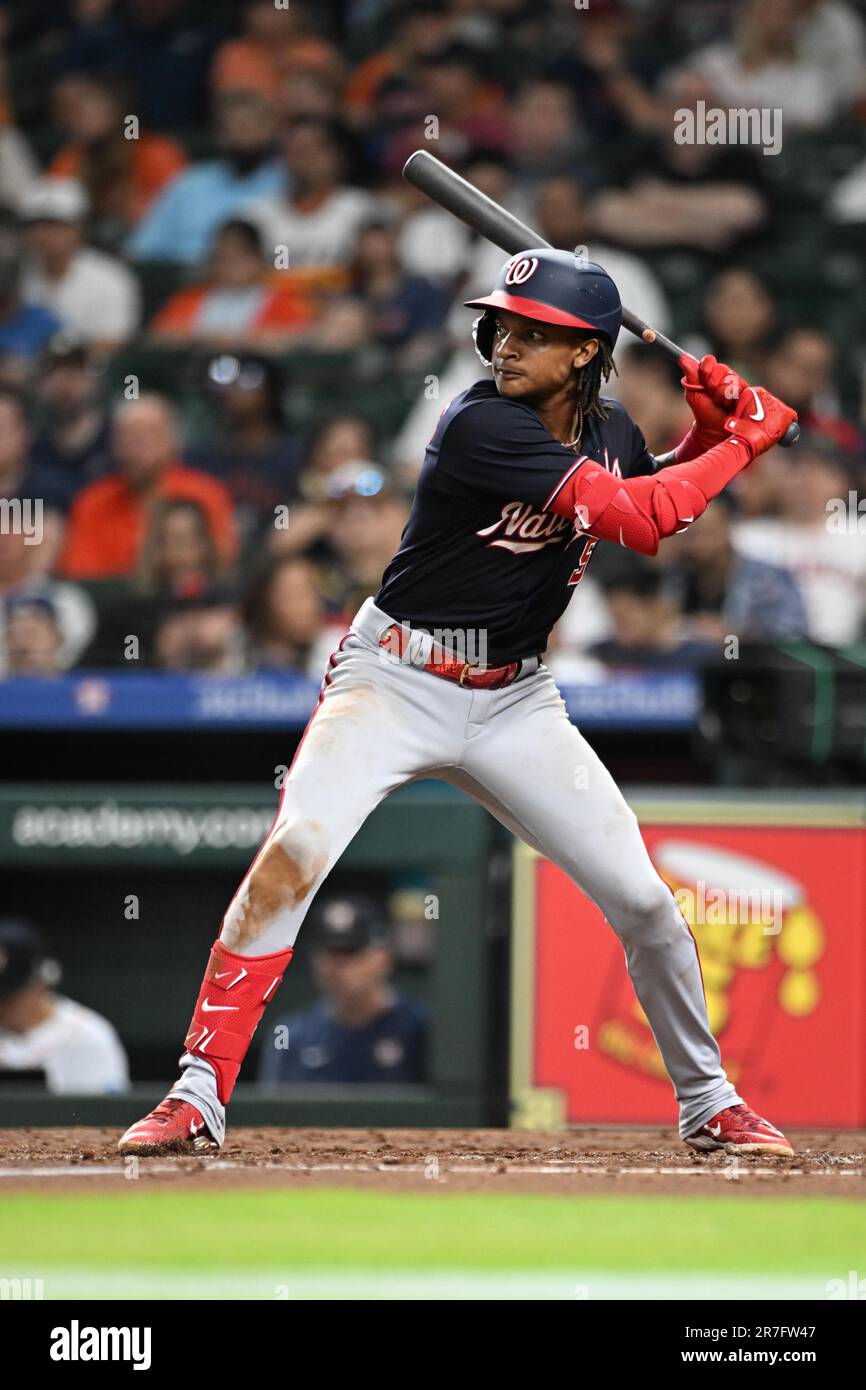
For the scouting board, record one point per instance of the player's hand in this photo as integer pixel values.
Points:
(760, 419)
(712, 390)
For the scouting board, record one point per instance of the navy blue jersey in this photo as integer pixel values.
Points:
(391, 1048)
(480, 552)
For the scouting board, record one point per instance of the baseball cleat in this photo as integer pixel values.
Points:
(174, 1127)
(739, 1130)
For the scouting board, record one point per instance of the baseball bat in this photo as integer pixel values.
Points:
(456, 194)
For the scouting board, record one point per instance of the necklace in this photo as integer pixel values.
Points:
(577, 426)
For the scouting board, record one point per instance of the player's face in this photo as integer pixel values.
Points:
(533, 360)
(351, 977)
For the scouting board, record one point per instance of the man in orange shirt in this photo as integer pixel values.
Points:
(108, 519)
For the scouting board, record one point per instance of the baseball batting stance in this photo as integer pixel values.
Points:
(524, 475)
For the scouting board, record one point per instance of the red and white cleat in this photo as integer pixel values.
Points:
(740, 1131)
(174, 1127)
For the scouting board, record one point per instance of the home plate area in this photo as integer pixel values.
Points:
(573, 1161)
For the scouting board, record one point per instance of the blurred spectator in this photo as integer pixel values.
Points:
(107, 521)
(185, 217)
(346, 325)
(277, 39)
(201, 633)
(307, 92)
(178, 563)
(22, 576)
(20, 475)
(683, 195)
(649, 386)
(739, 314)
(406, 310)
(32, 640)
(76, 1049)
(249, 448)
(607, 63)
(121, 172)
(72, 439)
(563, 214)
(178, 554)
(360, 1031)
(490, 171)
(645, 622)
(805, 57)
(317, 221)
(367, 517)
(456, 87)
(432, 242)
(828, 560)
(160, 45)
(93, 294)
(379, 90)
(759, 491)
(25, 328)
(286, 620)
(335, 441)
(799, 369)
(549, 138)
(243, 302)
(831, 36)
(720, 592)
(18, 168)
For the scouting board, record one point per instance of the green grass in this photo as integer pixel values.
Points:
(333, 1230)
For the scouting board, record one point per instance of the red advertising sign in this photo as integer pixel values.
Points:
(779, 917)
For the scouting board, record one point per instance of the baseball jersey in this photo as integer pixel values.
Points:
(480, 551)
(77, 1049)
(390, 1048)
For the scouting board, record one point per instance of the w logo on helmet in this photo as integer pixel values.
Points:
(521, 269)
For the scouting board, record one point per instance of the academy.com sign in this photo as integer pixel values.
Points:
(110, 825)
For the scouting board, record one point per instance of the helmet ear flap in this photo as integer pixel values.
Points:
(482, 336)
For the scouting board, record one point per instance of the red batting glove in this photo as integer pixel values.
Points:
(760, 420)
(712, 390)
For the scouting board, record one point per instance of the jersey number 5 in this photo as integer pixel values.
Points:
(589, 547)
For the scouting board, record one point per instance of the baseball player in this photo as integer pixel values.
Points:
(441, 675)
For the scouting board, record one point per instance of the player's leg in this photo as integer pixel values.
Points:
(367, 736)
(537, 772)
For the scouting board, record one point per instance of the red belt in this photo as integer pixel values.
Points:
(451, 668)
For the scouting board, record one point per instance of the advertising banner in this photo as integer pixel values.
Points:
(774, 898)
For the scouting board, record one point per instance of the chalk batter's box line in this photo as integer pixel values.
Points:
(508, 1169)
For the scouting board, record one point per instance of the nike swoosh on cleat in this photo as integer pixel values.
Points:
(208, 1008)
(715, 1132)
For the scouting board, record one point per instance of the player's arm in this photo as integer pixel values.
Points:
(640, 512)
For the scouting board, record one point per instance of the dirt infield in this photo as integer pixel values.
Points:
(571, 1162)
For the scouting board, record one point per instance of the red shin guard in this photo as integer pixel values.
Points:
(231, 1001)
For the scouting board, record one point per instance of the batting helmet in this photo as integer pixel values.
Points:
(554, 286)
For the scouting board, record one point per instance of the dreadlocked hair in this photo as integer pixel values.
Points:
(598, 369)
(590, 381)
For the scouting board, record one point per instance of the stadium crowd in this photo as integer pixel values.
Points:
(215, 285)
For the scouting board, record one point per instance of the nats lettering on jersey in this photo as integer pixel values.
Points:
(527, 529)
(521, 528)
(481, 550)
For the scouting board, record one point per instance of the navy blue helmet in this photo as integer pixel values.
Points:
(554, 286)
